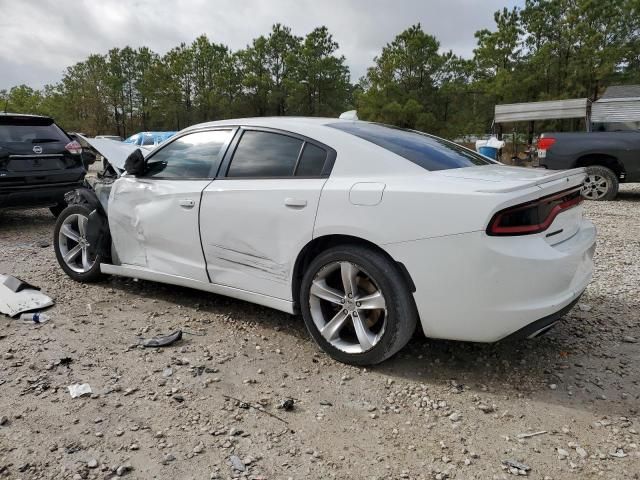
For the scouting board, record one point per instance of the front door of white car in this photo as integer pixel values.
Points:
(260, 211)
(154, 217)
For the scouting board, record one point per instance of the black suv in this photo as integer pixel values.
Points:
(39, 163)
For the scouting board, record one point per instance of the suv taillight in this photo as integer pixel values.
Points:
(545, 143)
(74, 148)
(533, 217)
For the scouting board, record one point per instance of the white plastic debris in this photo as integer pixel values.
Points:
(79, 389)
(17, 296)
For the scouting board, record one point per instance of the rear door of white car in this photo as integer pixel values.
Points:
(260, 211)
(153, 218)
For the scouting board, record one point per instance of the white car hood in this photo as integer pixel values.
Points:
(115, 152)
(503, 178)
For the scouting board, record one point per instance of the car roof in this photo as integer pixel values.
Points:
(25, 115)
(274, 122)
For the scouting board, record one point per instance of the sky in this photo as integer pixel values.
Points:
(40, 38)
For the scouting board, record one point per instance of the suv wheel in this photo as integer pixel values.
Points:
(356, 305)
(601, 184)
(71, 246)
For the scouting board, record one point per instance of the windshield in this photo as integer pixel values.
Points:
(429, 152)
(133, 139)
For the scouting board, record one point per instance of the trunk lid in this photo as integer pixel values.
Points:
(519, 186)
(504, 179)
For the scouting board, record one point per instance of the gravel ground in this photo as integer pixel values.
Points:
(437, 410)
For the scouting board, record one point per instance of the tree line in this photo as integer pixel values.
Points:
(546, 49)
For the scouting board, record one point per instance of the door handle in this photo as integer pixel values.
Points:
(187, 203)
(295, 202)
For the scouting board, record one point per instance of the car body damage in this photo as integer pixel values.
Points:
(317, 216)
(116, 153)
(247, 256)
(95, 192)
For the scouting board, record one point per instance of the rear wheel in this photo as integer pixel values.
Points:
(356, 305)
(601, 184)
(71, 246)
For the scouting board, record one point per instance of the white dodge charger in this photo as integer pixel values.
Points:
(364, 228)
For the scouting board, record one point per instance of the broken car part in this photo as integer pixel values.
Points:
(17, 296)
(162, 341)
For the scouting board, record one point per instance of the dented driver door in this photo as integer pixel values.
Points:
(153, 218)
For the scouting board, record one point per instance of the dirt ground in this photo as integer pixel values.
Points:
(437, 410)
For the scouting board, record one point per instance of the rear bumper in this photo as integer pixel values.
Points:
(542, 325)
(473, 287)
(29, 196)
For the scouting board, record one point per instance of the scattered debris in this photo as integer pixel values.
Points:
(17, 296)
(78, 390)
(287, 405)
(35, 317)
(533, 434)
(65, 361)
(515, 467)
(163, 340)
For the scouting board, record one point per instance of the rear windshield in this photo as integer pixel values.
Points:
(431, 153)
(30, 130)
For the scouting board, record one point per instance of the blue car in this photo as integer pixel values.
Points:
(149, 139)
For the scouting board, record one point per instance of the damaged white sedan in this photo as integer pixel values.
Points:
(365, 229)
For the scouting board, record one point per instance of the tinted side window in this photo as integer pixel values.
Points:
(264, 154)
(191, 156)
(311, 161)
(431, 153)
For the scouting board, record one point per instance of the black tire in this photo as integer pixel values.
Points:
(401, 314)
(91, 275)
(56, 210)
(590, 190)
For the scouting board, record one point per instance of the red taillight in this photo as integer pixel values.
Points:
(533, 217)
(74, 148)
(545, 143)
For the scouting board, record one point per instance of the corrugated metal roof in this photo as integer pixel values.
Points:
(522, 112)
(622, 91)
(619, 110)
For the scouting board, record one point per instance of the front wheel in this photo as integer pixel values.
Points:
(601, 184)
(56, 210)
(356, 305)
(71, 246)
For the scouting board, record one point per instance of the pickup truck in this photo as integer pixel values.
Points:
(609, 158)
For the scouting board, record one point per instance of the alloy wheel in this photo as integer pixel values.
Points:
(74, 246)
(595, 187)
(347, 307)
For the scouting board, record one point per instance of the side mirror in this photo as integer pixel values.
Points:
(134, 165)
